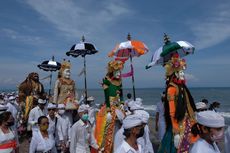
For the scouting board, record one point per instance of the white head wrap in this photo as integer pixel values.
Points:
(51, 106)
(137, 104)
(143, 114)
(3, 108)
(11, 98)
(83, 108)
(131, 121)
(201, 105)
(61, 106)
(119, 114)
(41, 101)
(210, 119)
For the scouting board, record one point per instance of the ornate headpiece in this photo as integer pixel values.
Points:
(114, 66)
(65, 65)
(174, 65)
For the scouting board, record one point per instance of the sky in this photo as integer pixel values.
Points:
(32, 31)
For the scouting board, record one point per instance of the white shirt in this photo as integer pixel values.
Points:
(160, 109)
(118, 139)
(35, 113)
(126, 148)
(80, 137)
(6, 137)
(161, 121)
(145, 142)
(38, 143)
(52, 128)
(63, 128)
(202, 146)
(13, 108)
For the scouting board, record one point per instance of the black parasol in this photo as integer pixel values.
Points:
(82, 49)
(51, 66)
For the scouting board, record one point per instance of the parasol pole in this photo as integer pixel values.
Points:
(133, 82)
(85, 80)
(83, 40)
(131, 62)
(50, 83)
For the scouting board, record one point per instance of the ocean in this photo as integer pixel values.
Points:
(151, 96)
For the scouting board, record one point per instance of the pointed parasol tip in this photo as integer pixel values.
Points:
(166, 38)
(128, 36)
(83, 38)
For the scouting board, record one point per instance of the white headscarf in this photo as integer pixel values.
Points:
(210, 119)
(51, 106)
(144, 115)
(201, 105)
(83, 108)
(131, 121)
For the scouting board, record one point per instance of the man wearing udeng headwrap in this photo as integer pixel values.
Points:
(81, 132)
(133, 129)
(210, 128)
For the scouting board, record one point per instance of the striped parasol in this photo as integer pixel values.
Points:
(164, 53)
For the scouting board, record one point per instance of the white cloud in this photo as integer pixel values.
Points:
(212, 30)
(18, 36)
(76, 19)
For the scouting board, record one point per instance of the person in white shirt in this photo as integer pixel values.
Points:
(145, 140)
(133, 129)
(52, 118)
(42, 141)
(210, 128)
(13, 107)
(35, 113)
(119, 137)
(81, 132)
(8, 139)
(63, 129)
(160, 125)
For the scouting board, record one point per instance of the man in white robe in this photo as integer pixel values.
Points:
(35, 113)
(81, 132)
(133, 129)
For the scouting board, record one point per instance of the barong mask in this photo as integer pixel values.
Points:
(34, 76)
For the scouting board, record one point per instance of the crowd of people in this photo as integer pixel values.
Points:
(54, 129)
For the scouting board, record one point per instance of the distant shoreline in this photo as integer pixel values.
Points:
(144, 88)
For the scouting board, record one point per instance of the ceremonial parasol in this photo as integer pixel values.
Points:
(82, 49)
(51, 66)
(128, 50)
(164, 53)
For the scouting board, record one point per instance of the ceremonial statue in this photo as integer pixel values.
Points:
(30, 91)
(106, 117)
(64, 90)
(179, 109)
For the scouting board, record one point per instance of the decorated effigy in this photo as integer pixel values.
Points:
(179, 105)
(106, 117)
(29, 91)
(65, 90)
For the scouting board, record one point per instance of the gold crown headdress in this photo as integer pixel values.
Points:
(174, 65)
(65, 65)
(115, 65)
